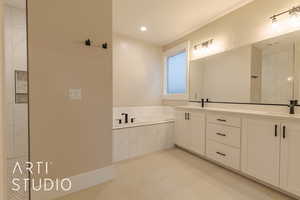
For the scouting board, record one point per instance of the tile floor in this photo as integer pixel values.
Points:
(175, 175)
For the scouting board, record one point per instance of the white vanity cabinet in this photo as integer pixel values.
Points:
(196, 123)
(261, 149)
(265, 147)
(290, 158)
(190, 131)
(223, 136)
(270, 152)
(181, 127)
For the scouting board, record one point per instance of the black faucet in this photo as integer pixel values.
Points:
(292, 105)
(202, 103)
(126, 117)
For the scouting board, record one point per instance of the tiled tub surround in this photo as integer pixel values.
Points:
(152, 130)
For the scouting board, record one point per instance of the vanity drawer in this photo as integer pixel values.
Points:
(223, 154)
(224, 119)
(224, 134)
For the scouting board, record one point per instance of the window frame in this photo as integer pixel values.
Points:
(172, 52)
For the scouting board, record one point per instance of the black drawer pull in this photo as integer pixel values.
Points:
(221, 154)
(221, 134)
(222, 120)
(284, 132)
(276, 132)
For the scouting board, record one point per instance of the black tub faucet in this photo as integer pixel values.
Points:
(293, 104)
(126, 117)
(202, 103)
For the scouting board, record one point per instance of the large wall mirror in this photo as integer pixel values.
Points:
(267, 72)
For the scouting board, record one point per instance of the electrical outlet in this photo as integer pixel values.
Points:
(75, 94)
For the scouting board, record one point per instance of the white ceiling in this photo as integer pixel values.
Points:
(167, 20)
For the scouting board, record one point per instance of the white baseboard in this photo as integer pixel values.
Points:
(79, 182)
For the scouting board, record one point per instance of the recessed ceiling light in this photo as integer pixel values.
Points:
(143, 28)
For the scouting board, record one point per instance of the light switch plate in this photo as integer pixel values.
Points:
(75, 94)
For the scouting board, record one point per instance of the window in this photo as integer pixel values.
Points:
(176, 69)
(176, 74)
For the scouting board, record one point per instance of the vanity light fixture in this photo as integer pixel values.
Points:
(274, 22)
(204, 45)
(290, 79)
(143, 28)
(294, 16)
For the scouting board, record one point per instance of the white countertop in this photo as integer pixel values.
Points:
(282, 116)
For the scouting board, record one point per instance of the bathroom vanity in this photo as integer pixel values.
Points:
(260, 145)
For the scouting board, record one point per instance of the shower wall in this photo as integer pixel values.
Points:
(16, 113)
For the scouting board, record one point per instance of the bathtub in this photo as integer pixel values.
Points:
(152, 130)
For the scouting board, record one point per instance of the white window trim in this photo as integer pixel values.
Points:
(171, 52)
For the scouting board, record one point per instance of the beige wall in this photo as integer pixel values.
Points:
(297, 70)
(137, 72)
(74, 135)
(244, 26)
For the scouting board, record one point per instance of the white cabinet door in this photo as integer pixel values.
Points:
(181, 130)
(196, 128)
(290, 158)
(190, 131)
(261, 149)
